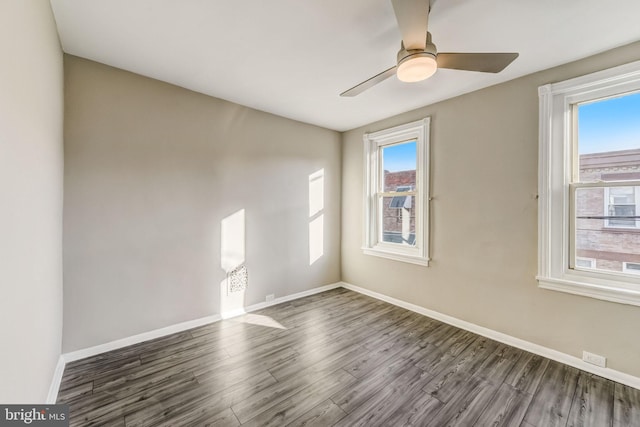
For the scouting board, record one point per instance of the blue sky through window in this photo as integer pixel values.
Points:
(400, 157)
(609, 125)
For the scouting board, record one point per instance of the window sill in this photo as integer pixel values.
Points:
(603, 292)
(396, 256)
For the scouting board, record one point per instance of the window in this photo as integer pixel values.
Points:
(396, 193)
(400, 202)
(589, 185)
(631, 267)
(585, 262)
(620, 206)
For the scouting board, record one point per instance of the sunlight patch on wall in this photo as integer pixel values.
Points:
(232, 237)
(316, 216)
(316, 234)
(316, 193)
(232, 258)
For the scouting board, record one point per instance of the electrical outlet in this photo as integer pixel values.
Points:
(594, 359)
(270, 297)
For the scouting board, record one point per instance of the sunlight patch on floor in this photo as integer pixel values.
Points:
(260, 320)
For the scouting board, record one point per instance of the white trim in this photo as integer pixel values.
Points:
(556, 174)
(418, 131)
(379, 252)
(180, 327)
(55, 382)
(558, 356)
(585, 289)
(619, 75)
(486, 332)
(280, 300)
(138, 338)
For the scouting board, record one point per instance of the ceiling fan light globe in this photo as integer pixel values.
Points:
(415, 68)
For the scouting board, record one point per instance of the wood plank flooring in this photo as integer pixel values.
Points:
(336, 359)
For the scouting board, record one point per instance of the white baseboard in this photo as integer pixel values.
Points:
(558, 356)
(280, 300)
(136, 339)
(157, 333)
(576, 362)
(180, 327)
(55, 382)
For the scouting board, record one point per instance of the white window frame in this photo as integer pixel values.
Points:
(636, 196)
(556, 153)
(417, 131)
(591, 261)
(626, 269)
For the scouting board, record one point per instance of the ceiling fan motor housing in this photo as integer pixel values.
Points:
(417, 64)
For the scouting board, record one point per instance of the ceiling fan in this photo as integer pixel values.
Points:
(418, 58)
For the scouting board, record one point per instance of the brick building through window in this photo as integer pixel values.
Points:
(399, 211)
(607, 227)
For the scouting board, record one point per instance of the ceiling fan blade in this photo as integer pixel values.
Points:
(359, 88)
(484, 62)
(412, 17)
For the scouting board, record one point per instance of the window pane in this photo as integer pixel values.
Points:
(632, 268)
(621, 207)
(609, 150)
(401, 201)
(621, 195)
(399, 167)
(585, 262)
(609, 139)
(606, 228)
(399, 223)
(398, 212)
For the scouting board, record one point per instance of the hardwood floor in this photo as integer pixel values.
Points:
(337, 359)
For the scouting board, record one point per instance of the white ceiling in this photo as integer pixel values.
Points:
(293, 57)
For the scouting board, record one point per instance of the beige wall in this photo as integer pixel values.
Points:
(484, 148)
(31, 117)
(151, 171)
